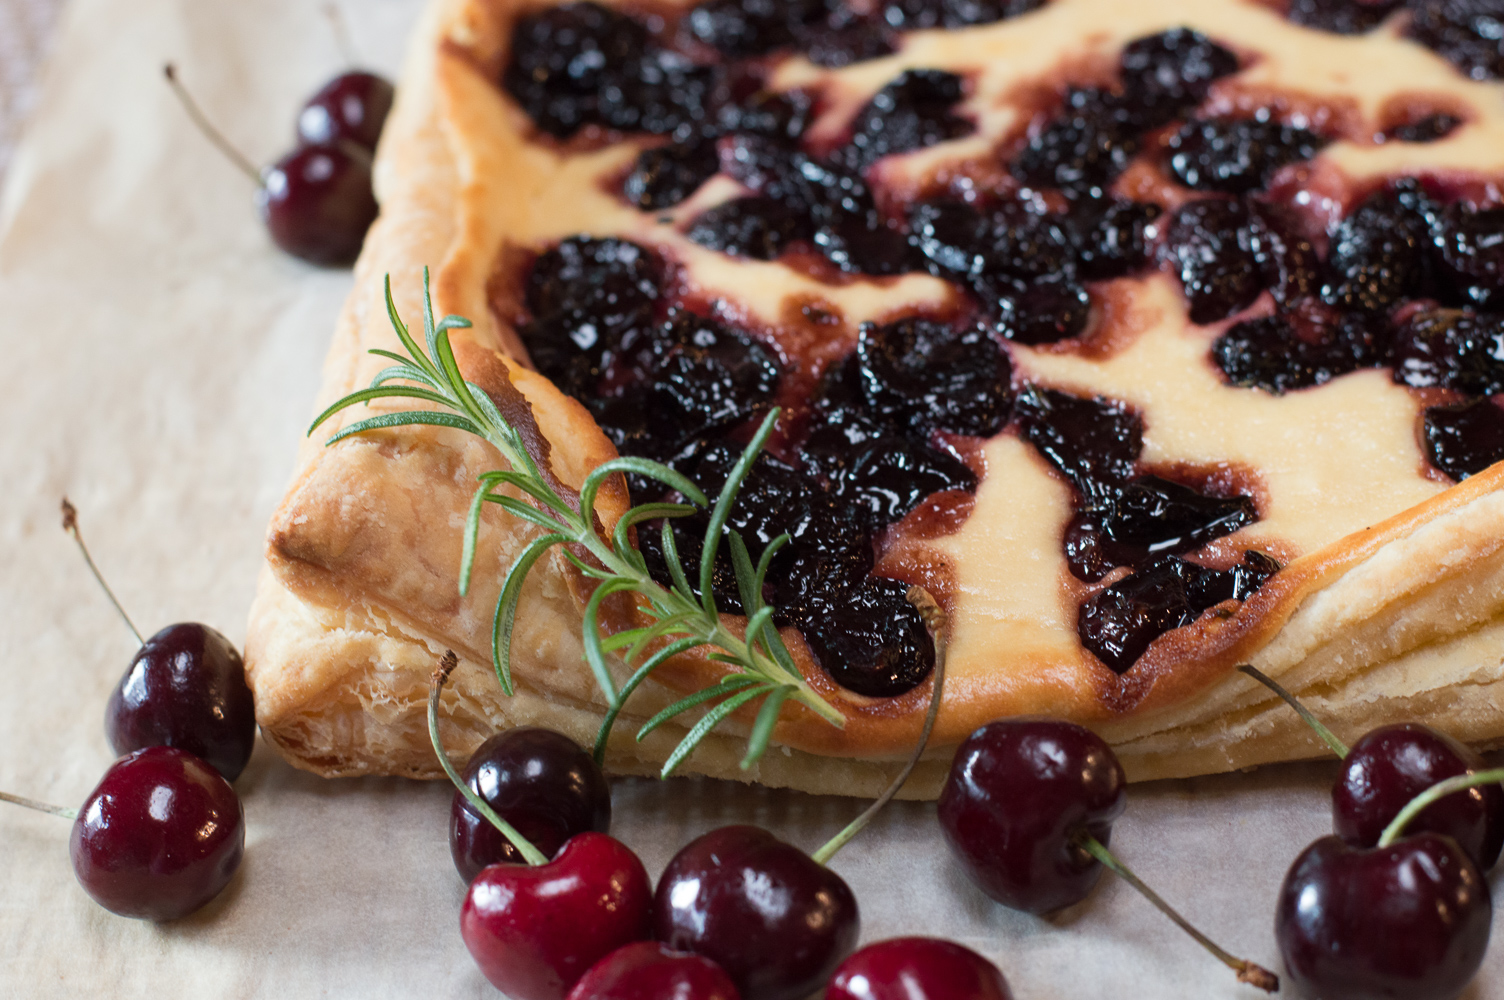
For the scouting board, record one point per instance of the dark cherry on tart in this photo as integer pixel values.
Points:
(1120, 328)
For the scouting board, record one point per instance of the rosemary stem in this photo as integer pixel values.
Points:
(70, 525)
(1327, 736)
(934, 619)
(1248, 972)
(1440, 790)
(21, 800)
(523, 845)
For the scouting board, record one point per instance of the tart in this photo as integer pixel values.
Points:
(1152, 339)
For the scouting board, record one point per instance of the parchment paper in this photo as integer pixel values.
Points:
(161, 360)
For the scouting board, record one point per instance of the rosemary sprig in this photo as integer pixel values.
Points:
(678, 619)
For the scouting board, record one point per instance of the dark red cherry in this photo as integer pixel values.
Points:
(649, 970)
(539, 781)
(185, 688)
(317, 202)
(1390, 766)
(917, 968)
(1020, 794)
(159, 837)
(352, 107)
(535, 930)
(1409, 920)
(775, 919)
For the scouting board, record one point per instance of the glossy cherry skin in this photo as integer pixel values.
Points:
(1391, 765)
(917, 968)
(1018, 794)
(775, 919)
(650, 970)
(317, 202)
(1409, 921)
(535, 930)
(352, 107)
(159, 837)
(541, 782)
(185, 688)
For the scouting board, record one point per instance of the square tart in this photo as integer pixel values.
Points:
(1389, 601)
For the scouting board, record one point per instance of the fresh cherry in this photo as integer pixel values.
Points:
(534, 930)
(159, 837)
(185, 688)
(774, 918)
(538, 780)
(350, 108)
(1407, 920)
(317, 202)
(1020, 796)
(1391, 765)
(917, 968)
(647, 970)
(1028, 809)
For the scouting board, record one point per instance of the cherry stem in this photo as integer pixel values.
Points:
(39, 806)
(1327, 736)
(205, 126)
(70, 525)
(1440, 790)
(934, 620)
(480, 805)
(1248, 972)
(341, 33)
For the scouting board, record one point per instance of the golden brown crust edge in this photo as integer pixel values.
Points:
(370, 527)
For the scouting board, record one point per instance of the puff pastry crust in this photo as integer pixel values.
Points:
(1390, 605)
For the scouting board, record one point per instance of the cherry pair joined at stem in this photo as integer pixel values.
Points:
(317, 202)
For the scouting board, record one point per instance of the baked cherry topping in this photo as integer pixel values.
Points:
(873, 642)
(756, 227)
(666, 175)
(775, 919)
(1464, 440)
(581, 64)
(160, 836)
(1212, 244)
(1086, 145)
(1408, 920)
(1290, 266)
(1390, 766)
(891, 476)
(1112, 237)
(1429, 128)
(1270, 354)
(1172, 71)
(1378, 255)
(1042, 311)
(917, 968)
(317, 202)
(921, 373)
(1095, 443)
(1452, 349)
(350, 108)
(647, 970)
(911, 112)
(185, 688)
(1237, 156)
(1345, 17)
(916, 15)
(1465, 32)
(1471, 255)
(740, 29)
(1019, 794)
(1120, 622)
(539, 781)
